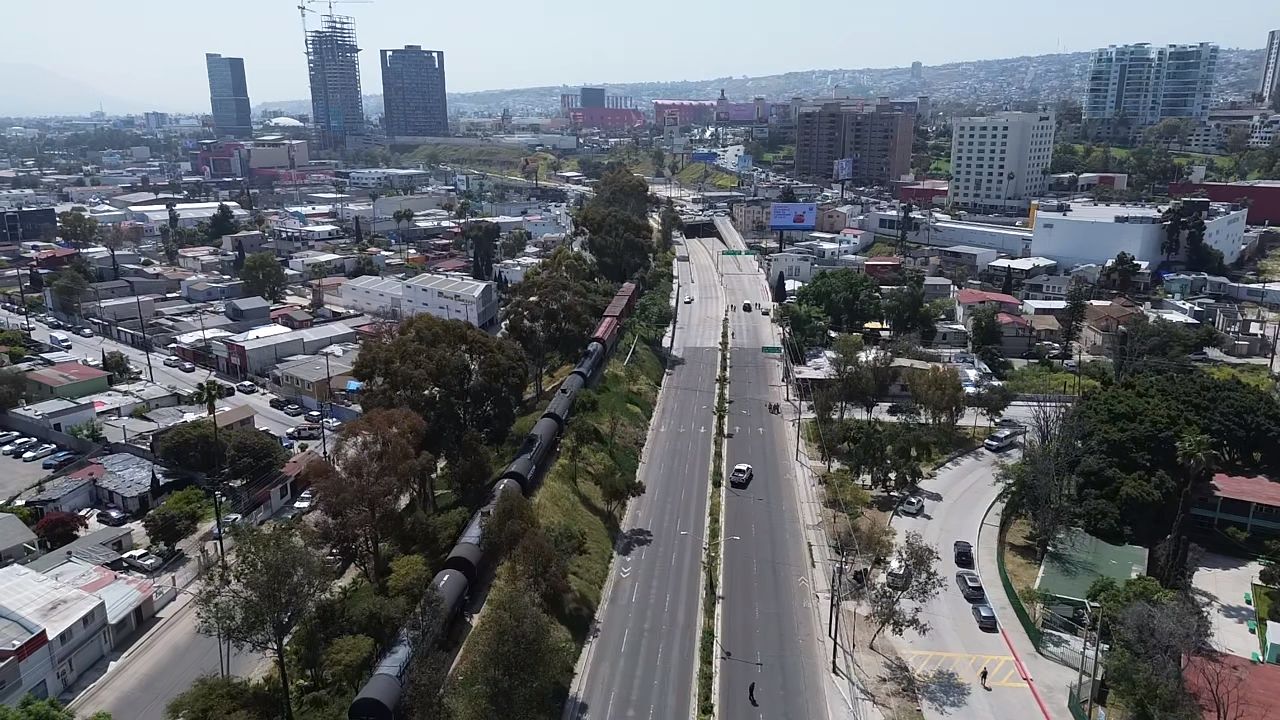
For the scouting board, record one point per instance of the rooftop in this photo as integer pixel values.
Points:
(14, 532)
(1076, 559)
(1256, 489)
(969, 296)
(53, 605)
(65, 373)
(129, 475)
(121, 593)
(1026, 264)
(94, 548)
(443, 283)
(374, 283)
(966, 249)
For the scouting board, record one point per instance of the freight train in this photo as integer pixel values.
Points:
(379, 696)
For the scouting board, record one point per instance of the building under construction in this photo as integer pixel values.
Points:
(337, 109)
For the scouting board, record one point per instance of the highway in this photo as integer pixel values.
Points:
(642, 662)
(955, 650)
(768, 633)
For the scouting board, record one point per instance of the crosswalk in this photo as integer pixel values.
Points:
(1001, 669)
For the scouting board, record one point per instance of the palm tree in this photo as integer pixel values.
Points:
(207, 393)
(405, 216)
(1197, 458)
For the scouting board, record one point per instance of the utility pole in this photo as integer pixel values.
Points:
(146, 339)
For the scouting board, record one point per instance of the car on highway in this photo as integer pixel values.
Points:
(746, 306)
(688, 299)
(278, 403)
(111, 516)
(57, 461)
(39, 452)
(741, 475)
(764, 311)
(331, 424)
(8, 437)
(305, 501)
(913, 505)
(964, 553)
(84, 332)
(247, 388)
(985, 617)
(172, 361)
(19, 446)
(293, 410)
(313, 417)
(970, 585)
(187, 367)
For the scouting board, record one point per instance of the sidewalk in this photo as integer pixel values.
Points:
(1050, 682)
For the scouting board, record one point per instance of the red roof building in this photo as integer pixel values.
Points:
(1231, 686)
(1251, 503)
(1263, 197)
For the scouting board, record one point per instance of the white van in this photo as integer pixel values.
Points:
(1001, 440)
(58, 339)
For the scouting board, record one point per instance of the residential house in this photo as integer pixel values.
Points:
(968, 300)
(1016, 334)
(1047, 287)
(1139, 282)
(248, 241)
(126, 481)
(249, 309)
(312, 377)
(938, 288)
(130, 600)
(100, 547)
(68, 493)
(1045, 328)
(1017, 270)
(950, 335)
(965, 260)
(1103, 319)
(294, 319)
(17, 542)
(66, 380)
(200, 259)
(1188, 284)
(57, 414)
(253, 353)
(313, 263)
(835, 219)
(792, 265)
(51, 634)
(1250, 503)
(200, 289)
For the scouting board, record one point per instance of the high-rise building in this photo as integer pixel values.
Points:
(875, 135)
(1270, 89)
(1131, 87)
(413, 92)
(917, 70)
(999, 162)
(337, 108)
(229, 96)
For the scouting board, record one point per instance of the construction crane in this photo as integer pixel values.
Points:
(303, 9)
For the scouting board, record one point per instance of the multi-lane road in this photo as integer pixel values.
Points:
(643, 659)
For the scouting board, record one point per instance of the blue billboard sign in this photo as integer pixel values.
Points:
(704, 156)
(793, 216)
(745, 162)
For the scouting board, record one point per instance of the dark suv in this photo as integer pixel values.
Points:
(964, 554)
(970, 585)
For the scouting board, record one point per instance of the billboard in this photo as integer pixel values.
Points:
(671, 118)
(760, 131)
(704, 156)
(722, 116)
(793, 216)
(745, 162)
(843, 169)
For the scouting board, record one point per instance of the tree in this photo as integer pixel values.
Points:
(1151, 641)
(788, 195)
(617, 486)
(993, 400)
(1122, 271)
(888, 606)
(515, 242)
(212, 697)
(669, 222)
(1197, 458)
(115, 239)
(168, 526)
(457, 377)
(850, 299)
(1007, 286)
(984, 329)
(68, 289)
(13, 387)
(1171, 245)
(904, 225)
(243, 453)
(169, 244)
(1077, 303)
(207, 393)
(550, 316)
(1220, 687)
(780, 289)
(76, 229)
(360, 490)
(906, 310)
(1042, 485)
(276, 581)
(223, 222)
(620, 243)
(117, 364)
(482, 236)
(939, 394)
(402, 217)
(493, 681)
(364, 265)
(347, 660)
(90, 430)
(59, 528)
(262, 275)
(33, 708)
(35, 280)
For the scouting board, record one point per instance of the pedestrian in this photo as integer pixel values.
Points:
(751, 693)
(982, 676)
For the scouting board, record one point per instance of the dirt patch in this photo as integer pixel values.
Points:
(1020, 557)
(888, 680)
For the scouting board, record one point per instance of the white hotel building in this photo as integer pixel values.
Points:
(999, 162)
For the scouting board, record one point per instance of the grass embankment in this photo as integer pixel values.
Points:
(707, 640)
(1263, 597)
(1020, 557)
(498, 159)
(692, 174)
(1255, 375)
(1036, 379)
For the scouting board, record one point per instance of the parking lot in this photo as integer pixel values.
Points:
(1221, 582)
(16, 475)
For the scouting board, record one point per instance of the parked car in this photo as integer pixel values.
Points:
(8, 437)
(293, 410)
(331, 424)
(1008, 423)
(19, 446)
(247, 388)
(741, 475)
(53, 324)
(38, 452)
(84, 332)
(970, 585)
(229, 521)
(306, 431)
(57, 461)
(913, 505)
(142, 560)
(187, 367)
(227, 389)
(1070, 366)
(313, 417)
(278, 403)
(172, 361)
(964, 553)
(111, 516)
(985, 617)
(305, 501)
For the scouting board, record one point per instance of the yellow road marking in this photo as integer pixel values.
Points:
(967, 666)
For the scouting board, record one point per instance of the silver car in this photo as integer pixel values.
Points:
(19, 446)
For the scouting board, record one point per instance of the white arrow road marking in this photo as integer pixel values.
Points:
(625, 570)
(702, 429)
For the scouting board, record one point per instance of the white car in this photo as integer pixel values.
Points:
(331, 424)
(741, 475)
(172, 361)
(305, 501)
(913, 505)
(85, 332)
(228, 521)
(18, 446)
(688, 299)
(38, 452)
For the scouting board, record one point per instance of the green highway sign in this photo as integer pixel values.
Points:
(771, 350)
(736, 252)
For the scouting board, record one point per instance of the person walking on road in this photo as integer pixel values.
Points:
(751, 693)
(982, 677)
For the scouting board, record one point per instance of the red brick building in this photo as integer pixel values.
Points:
(1263, 197)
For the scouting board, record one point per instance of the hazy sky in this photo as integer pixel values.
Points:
(134, 55)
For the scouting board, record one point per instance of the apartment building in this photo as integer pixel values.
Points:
(374, 296)
(876, 136)
(1270, 87)
(413, 92)
(1131, 87)
(451, 298)
(1001, 161)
